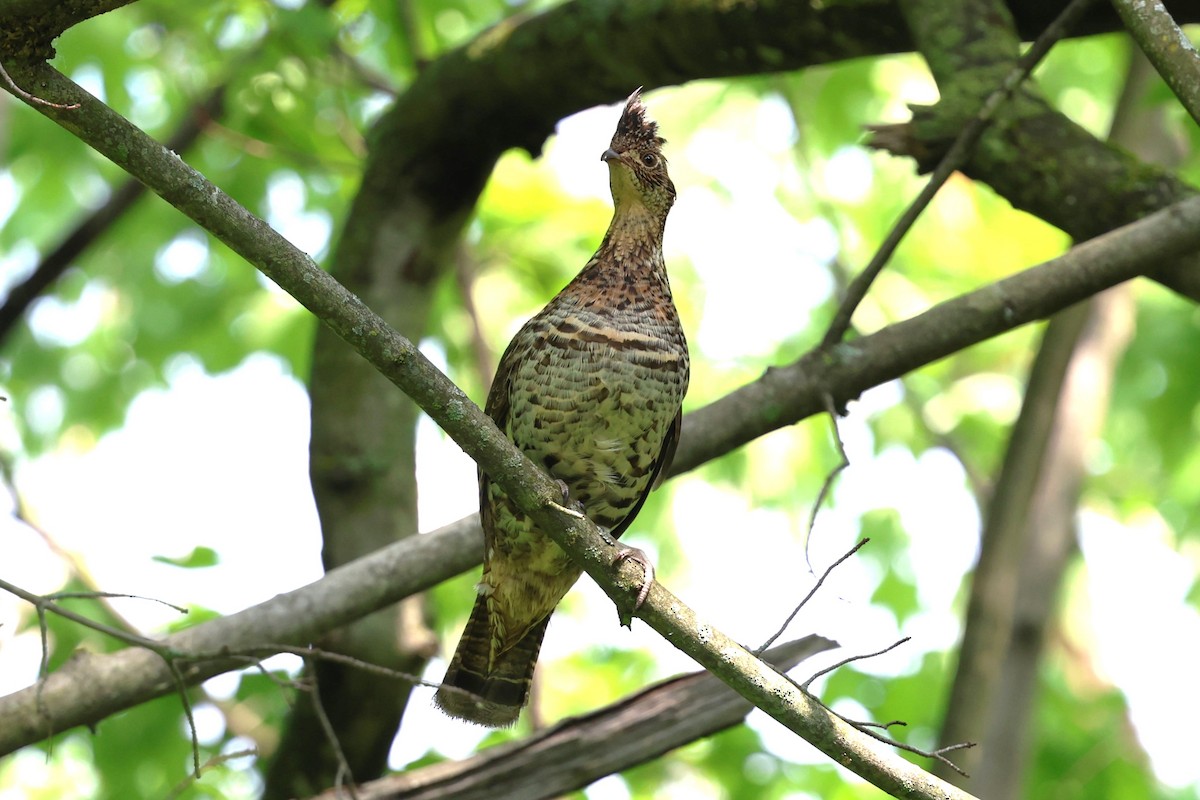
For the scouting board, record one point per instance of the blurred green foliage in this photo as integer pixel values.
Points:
(304, 82)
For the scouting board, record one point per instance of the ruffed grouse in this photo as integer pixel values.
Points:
(590, 388)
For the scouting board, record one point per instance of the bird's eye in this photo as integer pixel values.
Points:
(649, 159)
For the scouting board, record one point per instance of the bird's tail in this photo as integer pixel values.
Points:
(493, 698)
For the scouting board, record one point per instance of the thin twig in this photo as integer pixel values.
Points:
(827, 485)
(214, 761)
(809, 596)
(95, 595)
(75, 565)
(873, 729)
(310, 652)
(937, 755)
(29, 98)
(182, 688)
(44, 604)
(251, 654)
(43, 671)
(343, 770)
(171, 658)
(852, 659)
(880, 725)
(959, 152)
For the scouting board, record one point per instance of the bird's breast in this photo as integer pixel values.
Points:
(593, 403)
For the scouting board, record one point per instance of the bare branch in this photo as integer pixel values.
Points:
(98, 222)
(954, 158)
(213, 762)
(1167, 47)
(90, 687)
(938, 754)
(827, 485)
(852, 659)
(345, 777)
(872, 729)
(44, 604)
(829, 570)
(97, 595)
(580, 750)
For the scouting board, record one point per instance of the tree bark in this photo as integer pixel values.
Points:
(581, 750)
(1049, 538)
(430, 161)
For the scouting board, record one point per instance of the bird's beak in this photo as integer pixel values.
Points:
(609, 155)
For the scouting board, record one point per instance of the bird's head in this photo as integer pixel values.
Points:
(637, 170)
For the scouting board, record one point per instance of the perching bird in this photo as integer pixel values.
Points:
(590, 389)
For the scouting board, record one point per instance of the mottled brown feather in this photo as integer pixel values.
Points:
(590, 388)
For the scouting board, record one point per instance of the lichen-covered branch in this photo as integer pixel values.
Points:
(1167, 47)
(88, 690)
(888, 353)
(528, 487)
(580, 750)
(90, 687)
(1033, 156)
(97, 223)
(28, 28)
(429, 162)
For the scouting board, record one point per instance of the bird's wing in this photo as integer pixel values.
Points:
(660, 467)
(668, 452)
(498, 407)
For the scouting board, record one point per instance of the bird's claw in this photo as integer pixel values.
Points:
(639, 556)
(575, 508)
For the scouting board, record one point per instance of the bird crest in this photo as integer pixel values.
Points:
(635, 130)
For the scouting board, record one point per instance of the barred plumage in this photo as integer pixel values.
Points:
(590, 388)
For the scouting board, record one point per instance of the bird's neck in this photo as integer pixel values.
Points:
(634, 235)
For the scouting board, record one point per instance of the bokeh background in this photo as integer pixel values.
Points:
(156, 424)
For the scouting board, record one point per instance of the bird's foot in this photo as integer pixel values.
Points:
(638, 556)
(568, 506)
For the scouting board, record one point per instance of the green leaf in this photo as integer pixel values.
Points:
(199, 557)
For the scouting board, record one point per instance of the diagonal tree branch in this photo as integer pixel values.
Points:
(94, 225)
(403, 356)
(580, 750)
(1097, 265)
(781, 397)
(951, 160)
(90, 689)
(1167, 47)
